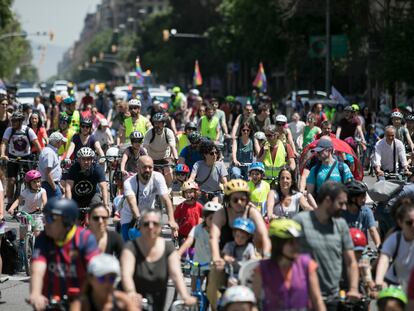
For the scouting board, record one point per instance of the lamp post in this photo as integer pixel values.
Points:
(328, 48)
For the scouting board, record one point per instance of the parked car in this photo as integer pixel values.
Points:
(312, 97)
(27, 95)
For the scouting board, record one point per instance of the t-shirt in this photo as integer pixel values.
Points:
(202, 170)
(363, 220)
(241, 253)
(348, 127)
(201, 245)
(85, 183)
(404, 261)
(287, 211)
(78, 144)
(41, 136)
(66, 265)
(326, 243)
(190, 156)
(159, 148)
(102, 136)
(323, 173)
(147, 192)
(19, 143)
(187, 216)
(31, 201)
(309, 135)
(114, 244)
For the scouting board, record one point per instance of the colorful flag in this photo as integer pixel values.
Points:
(138, 71)
(260, 81)
(197, 78)
(337, 96)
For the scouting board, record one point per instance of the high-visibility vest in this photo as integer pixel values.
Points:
(272, 168)
(182, 142)
(140, 125)
(75, 121)
(258, 194)
(209, 128)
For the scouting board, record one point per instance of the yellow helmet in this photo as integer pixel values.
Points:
(285, 229)
(236, 185)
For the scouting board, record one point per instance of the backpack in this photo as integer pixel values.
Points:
(341, 169)
(9, 253)
(26, 133)
(153, 135)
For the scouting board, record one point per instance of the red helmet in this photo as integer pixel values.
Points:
(359, 239)
(32, 175)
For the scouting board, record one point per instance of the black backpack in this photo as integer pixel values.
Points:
(9, 253)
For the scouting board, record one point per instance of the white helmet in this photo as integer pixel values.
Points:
(194, 92)
(212, 207)
(134, 102)
(281, 118)
(86, 152)
(397, 114)
(260, 136)
(238, 293)
(112, 152)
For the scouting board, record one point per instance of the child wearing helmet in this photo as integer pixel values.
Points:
(199, 236)
(129, 161)
(182, 172)
(392, 298)
(188, 213)
(288, 280)
(401, 132)
(241, 249)
(259, 189)
(238, 298)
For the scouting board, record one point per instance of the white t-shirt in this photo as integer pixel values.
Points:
(147, 192)
(404, 261)
(287, 211)
(159, 148)
(19, 143)
(102, 136)
(202, 245)
(31, 201)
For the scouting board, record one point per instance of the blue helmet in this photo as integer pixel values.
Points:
(244, 224)
(66, 208)
(182, 168)
(257, 166)
(69, 100)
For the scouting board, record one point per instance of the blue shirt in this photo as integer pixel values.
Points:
(363, 220)
(190, 156)
(323, 172)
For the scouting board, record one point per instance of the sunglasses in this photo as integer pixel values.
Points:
(245, 130)
(146, 224)
(280, 123)
(270, 135)
(97, 218)
(408, 222)
(86, 126)
(212, 153)
(4, 105)
(109, 278)
(241, 199)
(134, 141)
(134, 108)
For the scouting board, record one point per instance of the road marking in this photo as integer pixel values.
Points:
(18, 278)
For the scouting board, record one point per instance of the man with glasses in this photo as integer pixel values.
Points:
(61, 254)
(135, 122)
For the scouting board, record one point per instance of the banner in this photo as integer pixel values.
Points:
(260, 81)
(197, 78)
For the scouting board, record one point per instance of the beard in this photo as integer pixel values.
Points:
(336, 214)
(146, 176)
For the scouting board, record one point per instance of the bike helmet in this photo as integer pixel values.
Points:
(182, 168)
(359, 239)
(212, 207)
(410, 117)
(64, 117)
(176, 89)
(17, 116)
(281, 118)
(260, 136)
(194, 137)
(86, 152)
(69, 100)
(66, 208)
(86, 121)
(257, 166)
(191, 126)
(189, 185)
(32, 175)
(285, 229)
(159, 117)
(237, 293)
(236, 185)
(397, 114)
(244, 224)
(134, 103)
(356, 187)
(355, 107)
(393, 292)
(230, 99)
(349, 108)
(136, 135)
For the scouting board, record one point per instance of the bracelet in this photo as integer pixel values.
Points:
(266, 254)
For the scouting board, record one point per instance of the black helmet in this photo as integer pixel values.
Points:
(87, 122)
(64, 117)
(356, 187)
(191, 126)
(17, 116)
(194, 137)
(66, 208)
(159, 117)
(136, 135)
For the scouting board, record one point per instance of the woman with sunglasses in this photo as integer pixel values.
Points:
(244, 151)
(149, 261)
(235, 204)
(109, 242)
(129, 161)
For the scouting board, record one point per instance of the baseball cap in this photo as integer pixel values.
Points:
(104, 122)
(57, 137)
(322, 145)
(104, 264)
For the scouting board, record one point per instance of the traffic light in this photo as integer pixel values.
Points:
(51, 35)
(165, 35)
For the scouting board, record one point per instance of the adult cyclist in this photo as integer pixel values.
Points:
(191, 153)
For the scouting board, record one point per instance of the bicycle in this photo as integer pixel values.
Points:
(198, 292)
(179, 305)
(23, 167)
(113, 169)
(207, 196)
(83, 216)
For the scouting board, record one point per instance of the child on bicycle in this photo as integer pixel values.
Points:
(182, 172)
(200, 237)
(188, 214)
(259, 189)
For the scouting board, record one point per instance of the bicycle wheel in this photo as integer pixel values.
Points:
(28, 252)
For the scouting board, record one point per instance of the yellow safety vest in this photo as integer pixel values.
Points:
(182, 142)
(272, 169)
(140, 125)
(209, 128)
(75, 121)
(258, 194)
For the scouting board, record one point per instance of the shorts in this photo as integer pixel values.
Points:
(13, 168)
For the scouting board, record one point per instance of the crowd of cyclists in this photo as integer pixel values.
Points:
(266, 202)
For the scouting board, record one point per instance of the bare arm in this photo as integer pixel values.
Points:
(315, 292)
(382, 267)
(70, 150)
(261, 231)
(124, 160)
(37, 144)
(98, 148)
(292, 164)
(44, 199)
(234, 152)
(338, 131)
(174, 269)
(186, 245)
(104, 190)
(235, 127)
(305, 204)
(215, 232)
(127, 270)
(68, 188)
(270, 203)
(170, 211)
(132, 202)
(36, 285)
(373, 231)
(290, 140)
(3, 148)
(352, 271)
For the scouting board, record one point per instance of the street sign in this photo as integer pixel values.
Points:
(339, 46)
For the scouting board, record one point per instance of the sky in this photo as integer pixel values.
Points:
(63, 17)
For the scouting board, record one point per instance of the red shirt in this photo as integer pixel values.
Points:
(187, 216)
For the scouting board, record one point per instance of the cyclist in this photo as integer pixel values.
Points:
(64, 120)
(261, 119)
(283, 131)
(2, 224)
(259, 189)
(132, 154)
(182, 138)
(61, 254)
(393, 299)
(350, 126)
(84, 179)
(310, 131)
(241, 119)
(74, 115)
(182, 172)
(326, 128)
(17, 139)
(209, 124)
(191, 154)
(103, 135)
(135, 122)
(357, 214)
(296, 127)
(238, 298)
(161, 146)
(401, 132)
(243, 152)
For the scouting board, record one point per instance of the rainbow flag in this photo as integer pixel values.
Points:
(138, 71)
(260, 81)
(197, 78)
